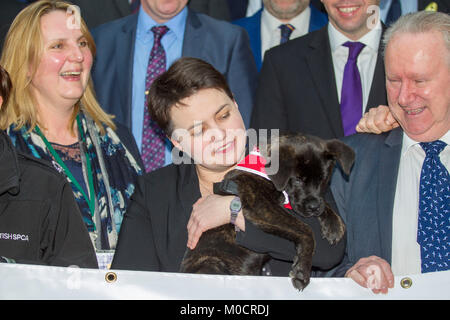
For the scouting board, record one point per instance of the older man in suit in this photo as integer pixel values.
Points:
(125, 58)
(279, 22)
(396, 200)
(322, 83)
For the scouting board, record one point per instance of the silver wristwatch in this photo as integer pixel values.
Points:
(235, 207)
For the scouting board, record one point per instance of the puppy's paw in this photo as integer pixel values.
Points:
(332, 229)
(300, 275)
(332, 233)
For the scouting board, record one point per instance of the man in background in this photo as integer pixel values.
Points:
(279, 22)
(133, 51)
(396, 201)
(323, 82)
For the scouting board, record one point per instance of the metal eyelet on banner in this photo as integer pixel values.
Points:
(111, 277)
(406, 283)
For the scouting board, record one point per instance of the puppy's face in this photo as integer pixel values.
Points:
(305, 167)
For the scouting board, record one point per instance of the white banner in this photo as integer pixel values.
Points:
(42, 282)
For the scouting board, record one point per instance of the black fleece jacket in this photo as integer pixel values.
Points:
(40, 222)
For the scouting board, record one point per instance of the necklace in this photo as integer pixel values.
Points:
(91, 199)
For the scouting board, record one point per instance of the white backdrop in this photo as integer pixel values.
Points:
(42, 282)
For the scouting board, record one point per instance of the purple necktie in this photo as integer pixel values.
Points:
(351, 94)
(153, 139)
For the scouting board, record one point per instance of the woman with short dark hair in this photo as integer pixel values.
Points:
(174, 205)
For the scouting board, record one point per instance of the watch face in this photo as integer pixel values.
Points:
(235, 204)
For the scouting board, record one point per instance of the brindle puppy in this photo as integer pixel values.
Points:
(305, 167)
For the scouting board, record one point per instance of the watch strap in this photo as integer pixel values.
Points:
(226, 187)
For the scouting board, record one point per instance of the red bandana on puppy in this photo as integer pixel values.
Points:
(255, 163)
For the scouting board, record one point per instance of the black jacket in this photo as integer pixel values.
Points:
(153, 234)
(297, 88)
(40, 222)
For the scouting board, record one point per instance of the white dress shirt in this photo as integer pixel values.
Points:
(367, 59)
(405, 249)
(253, 7)
(271, 32)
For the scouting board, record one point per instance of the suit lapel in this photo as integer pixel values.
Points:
(317, 20)
(377, 94)
(320, 63)
(192, 42)
(255, 38)
(389, 162)
(125, 41)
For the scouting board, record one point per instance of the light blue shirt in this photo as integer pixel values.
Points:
(172, 43)
(408, 6)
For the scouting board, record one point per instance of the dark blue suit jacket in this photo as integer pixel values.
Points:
(365, 199)
(253, 26)
(220, 43)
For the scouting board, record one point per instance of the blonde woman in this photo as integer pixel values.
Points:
(40, 221)
(54, 115)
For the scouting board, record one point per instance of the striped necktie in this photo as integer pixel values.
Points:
(286, 31)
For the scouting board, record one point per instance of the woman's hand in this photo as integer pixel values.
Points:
(377, 120)
(210, 212)
(374, 273)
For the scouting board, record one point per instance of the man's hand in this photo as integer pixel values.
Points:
(377, 120)
(373, 273)
(208, 213)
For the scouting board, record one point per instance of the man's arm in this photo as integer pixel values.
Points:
(371, 272)
(136, 246)
(377, 120)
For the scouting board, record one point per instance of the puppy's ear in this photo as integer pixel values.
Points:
(286, 166)
(343, 154)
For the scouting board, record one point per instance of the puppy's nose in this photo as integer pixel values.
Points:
(313, 205)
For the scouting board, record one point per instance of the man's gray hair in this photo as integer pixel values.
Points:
(420, 22)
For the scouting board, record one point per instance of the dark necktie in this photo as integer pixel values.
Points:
(286, 30)
(153, 139)
(351, 94)
(434, 210)
(395, 11)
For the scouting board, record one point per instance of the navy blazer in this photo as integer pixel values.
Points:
(220, 43)
(365, 199)
(253, 26)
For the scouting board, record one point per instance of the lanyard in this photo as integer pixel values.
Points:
(91, 199)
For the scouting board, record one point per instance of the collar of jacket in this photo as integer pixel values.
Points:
(9, 168)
